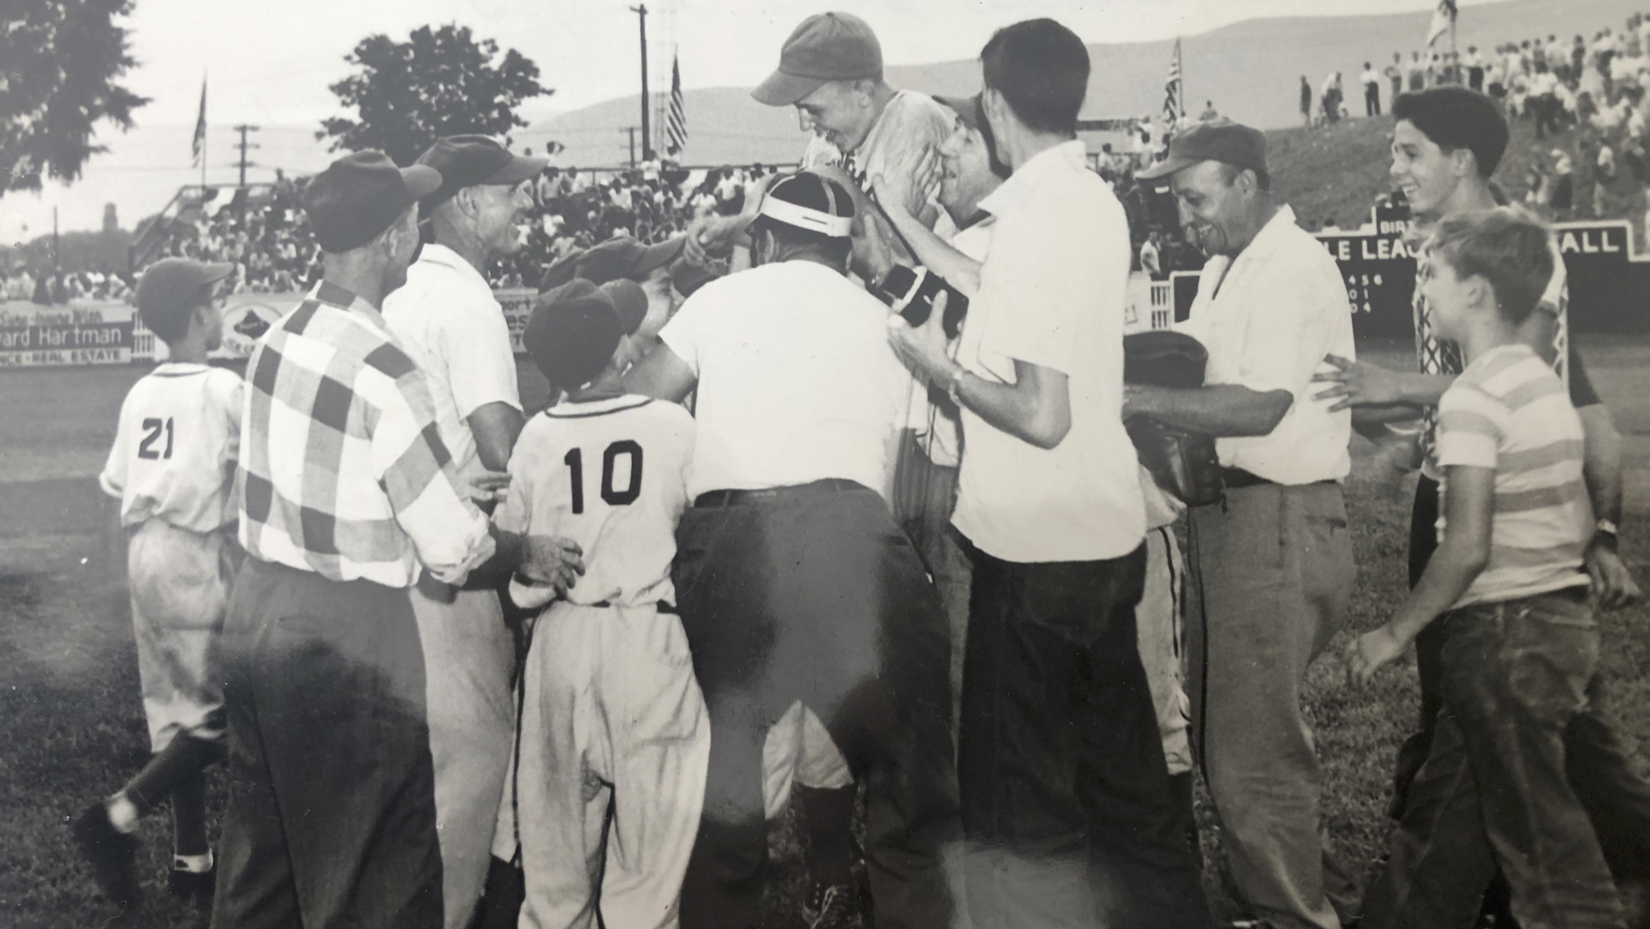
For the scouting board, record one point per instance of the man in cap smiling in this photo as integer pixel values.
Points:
(448, 320)
(1275, 556)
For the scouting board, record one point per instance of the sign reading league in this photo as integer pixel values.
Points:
(1609, 284)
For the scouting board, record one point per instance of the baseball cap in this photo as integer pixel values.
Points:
(572, 333)
(171, 289)
(1217, 140)
(357, 197)
(621, 257)
(473, 160)
(809, 201)
(826, 47)
(969, 109)
(629, 301)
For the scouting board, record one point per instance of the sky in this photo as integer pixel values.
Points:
(270, 63)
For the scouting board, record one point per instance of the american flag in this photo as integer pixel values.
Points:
(676, 118)
(1172, 103)
(200, 127)
(1442, 19)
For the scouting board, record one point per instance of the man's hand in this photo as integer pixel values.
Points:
(551, 561)
(1612, 582)
(1356, 383)
(1367, 653)
(923, 347)
(897, 192)
(489, 486)
(710, 237)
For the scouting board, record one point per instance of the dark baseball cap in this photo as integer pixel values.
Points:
(572, 333)
(357, 197)
(968, 108)
(826, 47)
(619, 258)
(171, 289)
(629, 301)
(1217, 140)
(474, 160)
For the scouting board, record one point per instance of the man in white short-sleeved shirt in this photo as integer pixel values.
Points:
(448, 321)
(1274, 556)
(794, 581)
(1051, 507)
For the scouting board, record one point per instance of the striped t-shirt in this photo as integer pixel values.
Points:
(1510, 412)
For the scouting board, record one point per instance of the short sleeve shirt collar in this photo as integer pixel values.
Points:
(1051, 162)
(444, 257)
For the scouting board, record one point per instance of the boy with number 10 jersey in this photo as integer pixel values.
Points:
(614, 738)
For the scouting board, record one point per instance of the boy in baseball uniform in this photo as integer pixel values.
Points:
(172, 468)
(614, 738)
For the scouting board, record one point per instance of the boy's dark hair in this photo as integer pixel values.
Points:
(1510, 251)
(1042, 70)
(1454, 117)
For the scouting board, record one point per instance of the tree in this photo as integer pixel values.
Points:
(437, 83)
(59, 60)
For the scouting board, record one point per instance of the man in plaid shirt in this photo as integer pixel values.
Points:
(348, 497)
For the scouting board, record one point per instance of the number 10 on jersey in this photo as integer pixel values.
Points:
(611, 495)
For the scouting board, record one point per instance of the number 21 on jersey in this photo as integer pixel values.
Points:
(613, 496)
(153, 427)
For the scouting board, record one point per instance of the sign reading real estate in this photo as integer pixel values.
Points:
(79, 334)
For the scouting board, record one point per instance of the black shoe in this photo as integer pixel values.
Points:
(110, 852)
(195, 886)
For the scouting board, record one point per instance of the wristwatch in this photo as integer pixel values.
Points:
(1605, 531)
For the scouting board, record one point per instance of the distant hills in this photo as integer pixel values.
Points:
(1251, 70)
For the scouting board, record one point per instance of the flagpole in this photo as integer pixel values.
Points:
(203, 134)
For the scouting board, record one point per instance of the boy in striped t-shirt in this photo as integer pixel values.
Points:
(1508, 580)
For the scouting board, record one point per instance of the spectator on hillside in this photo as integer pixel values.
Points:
(1306, 101)
(1395, 74)
(1417, 72)
(1372, 90)
(1475, 68)
(1209, 112)
(1562, 199)
(1332, 95)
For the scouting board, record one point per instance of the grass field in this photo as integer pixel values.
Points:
(71, 725)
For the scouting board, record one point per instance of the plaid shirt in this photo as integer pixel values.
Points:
(342, 471)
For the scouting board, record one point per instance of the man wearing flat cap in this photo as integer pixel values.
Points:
(346, 495)
(449, 322)
(1275, 557)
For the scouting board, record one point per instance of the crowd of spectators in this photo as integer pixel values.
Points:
(103, 283)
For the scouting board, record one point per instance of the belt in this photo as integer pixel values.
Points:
(1237, 478)
(831, 486)
(663, 606)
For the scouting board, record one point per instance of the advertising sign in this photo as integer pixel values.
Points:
(83, 333)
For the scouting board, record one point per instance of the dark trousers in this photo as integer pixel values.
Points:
(1067, 807)
(1617, 802)
(335, 823)
(813, 593)
(1494, 788)
(1372, 99)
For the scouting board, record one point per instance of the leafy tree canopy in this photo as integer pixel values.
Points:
(439, 82)
(59, 62)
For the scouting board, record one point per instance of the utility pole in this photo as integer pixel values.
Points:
(632, 131)
(647, 143)
(243, 129)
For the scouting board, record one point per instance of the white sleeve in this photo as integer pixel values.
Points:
(683, 334)
(481, 366)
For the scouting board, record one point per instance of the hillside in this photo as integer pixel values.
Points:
(1334, 174)
(1251, 70)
